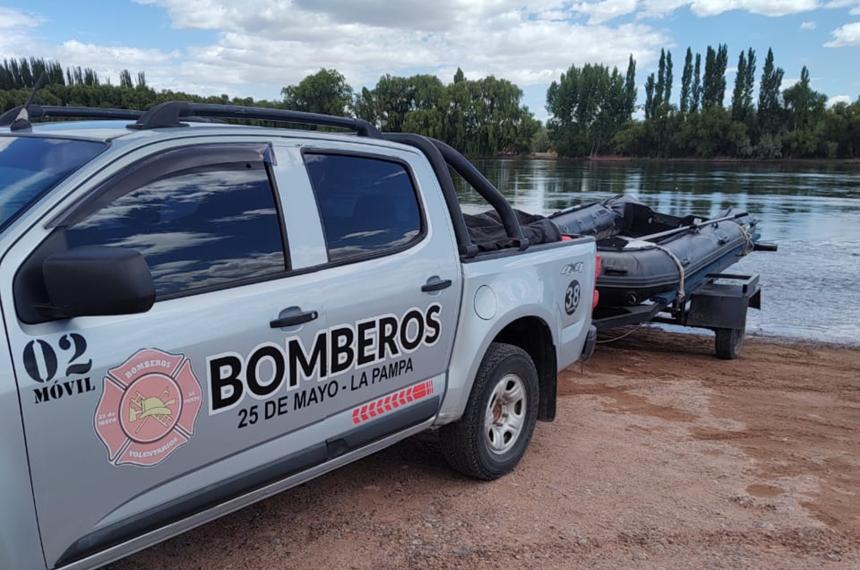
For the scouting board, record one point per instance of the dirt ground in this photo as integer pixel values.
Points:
(661, 456)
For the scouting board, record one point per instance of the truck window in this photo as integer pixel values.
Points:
(367, 206)
(204, 227)
(30, 166)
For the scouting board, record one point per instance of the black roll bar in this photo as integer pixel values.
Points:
(486, 189)
(465, 245)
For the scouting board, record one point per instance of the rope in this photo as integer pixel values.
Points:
(682, 294)
(682, 273)
(750, 244)
(628, 333)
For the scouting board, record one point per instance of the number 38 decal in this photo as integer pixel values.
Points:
(40, 358)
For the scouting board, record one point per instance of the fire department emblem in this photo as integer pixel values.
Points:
(148, 407)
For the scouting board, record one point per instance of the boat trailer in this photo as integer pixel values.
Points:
(715, 301)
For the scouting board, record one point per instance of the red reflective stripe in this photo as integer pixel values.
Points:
(391, 401)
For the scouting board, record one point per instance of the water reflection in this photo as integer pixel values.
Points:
(811, 209)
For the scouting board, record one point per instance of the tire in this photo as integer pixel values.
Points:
(728, 343)
(483, 443)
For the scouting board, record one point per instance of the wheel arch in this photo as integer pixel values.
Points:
(514, 328)
(533, 335)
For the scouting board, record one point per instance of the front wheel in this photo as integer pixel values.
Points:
(500, 417)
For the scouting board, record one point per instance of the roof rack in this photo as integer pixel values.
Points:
(173, 113)
(38, 111)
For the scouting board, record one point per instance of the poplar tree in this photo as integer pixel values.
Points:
(722, 64)
(686, 83)
(668, 79)
(649, 97)
(660, 86)
(750, 80)
(738, 109)
(696, 91)
(125, 78)
(714, 81)
(769, 107)
(630, 89)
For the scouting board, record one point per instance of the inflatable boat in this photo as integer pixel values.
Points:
(646, 253)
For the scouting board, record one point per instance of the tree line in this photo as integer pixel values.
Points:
(777, 123)
(593, 108)
(479, 117)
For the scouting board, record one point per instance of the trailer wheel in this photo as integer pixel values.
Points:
(500, 417)
(728, 342)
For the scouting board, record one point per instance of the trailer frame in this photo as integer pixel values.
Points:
(719, 304)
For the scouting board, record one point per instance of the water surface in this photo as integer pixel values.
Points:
(812, 210)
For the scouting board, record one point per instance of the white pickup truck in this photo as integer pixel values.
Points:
(198, 315)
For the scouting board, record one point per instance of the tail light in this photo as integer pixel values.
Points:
(598, 267)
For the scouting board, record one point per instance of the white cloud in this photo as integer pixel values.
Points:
(278, 43)
(15, 28)
(605, 10)
(807, 25)
(839, 99)
(788, 82)
(703, 8)
(847, 35)
(854, 5)
(262, 45)
(108, 61)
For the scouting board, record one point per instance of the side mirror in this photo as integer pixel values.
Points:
(98, 281)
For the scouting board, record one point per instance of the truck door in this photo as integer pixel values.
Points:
(134, 421)
(389, 273)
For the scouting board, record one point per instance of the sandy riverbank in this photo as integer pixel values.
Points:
(661, 456)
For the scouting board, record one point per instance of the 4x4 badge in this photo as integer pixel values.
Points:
(148, 407)
(571, 267)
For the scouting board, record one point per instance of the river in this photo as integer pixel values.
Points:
(812, 210)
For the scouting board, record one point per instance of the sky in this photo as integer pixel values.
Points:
(255, 47)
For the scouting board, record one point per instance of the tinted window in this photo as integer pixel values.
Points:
(367, 205)
(197, 228)
(31, 166)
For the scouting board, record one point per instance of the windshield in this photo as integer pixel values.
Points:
(31, 166)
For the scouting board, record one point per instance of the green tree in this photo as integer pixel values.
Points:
(667, 94)
(742, 96)
(480, 117)
(685, 101)
(804, 109)
(326, 91)
(738, 108)
(660, 85)
(842, 130)
(125, 78)
(650, 87)
(588, 107)
(769, 103)
(696, 92)
(630, 89)
(714, 80)
(749, 83)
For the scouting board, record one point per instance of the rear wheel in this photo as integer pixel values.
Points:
(728, 342)
(495, 430)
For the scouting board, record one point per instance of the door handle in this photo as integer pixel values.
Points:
(292, 319)
(435, 284)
